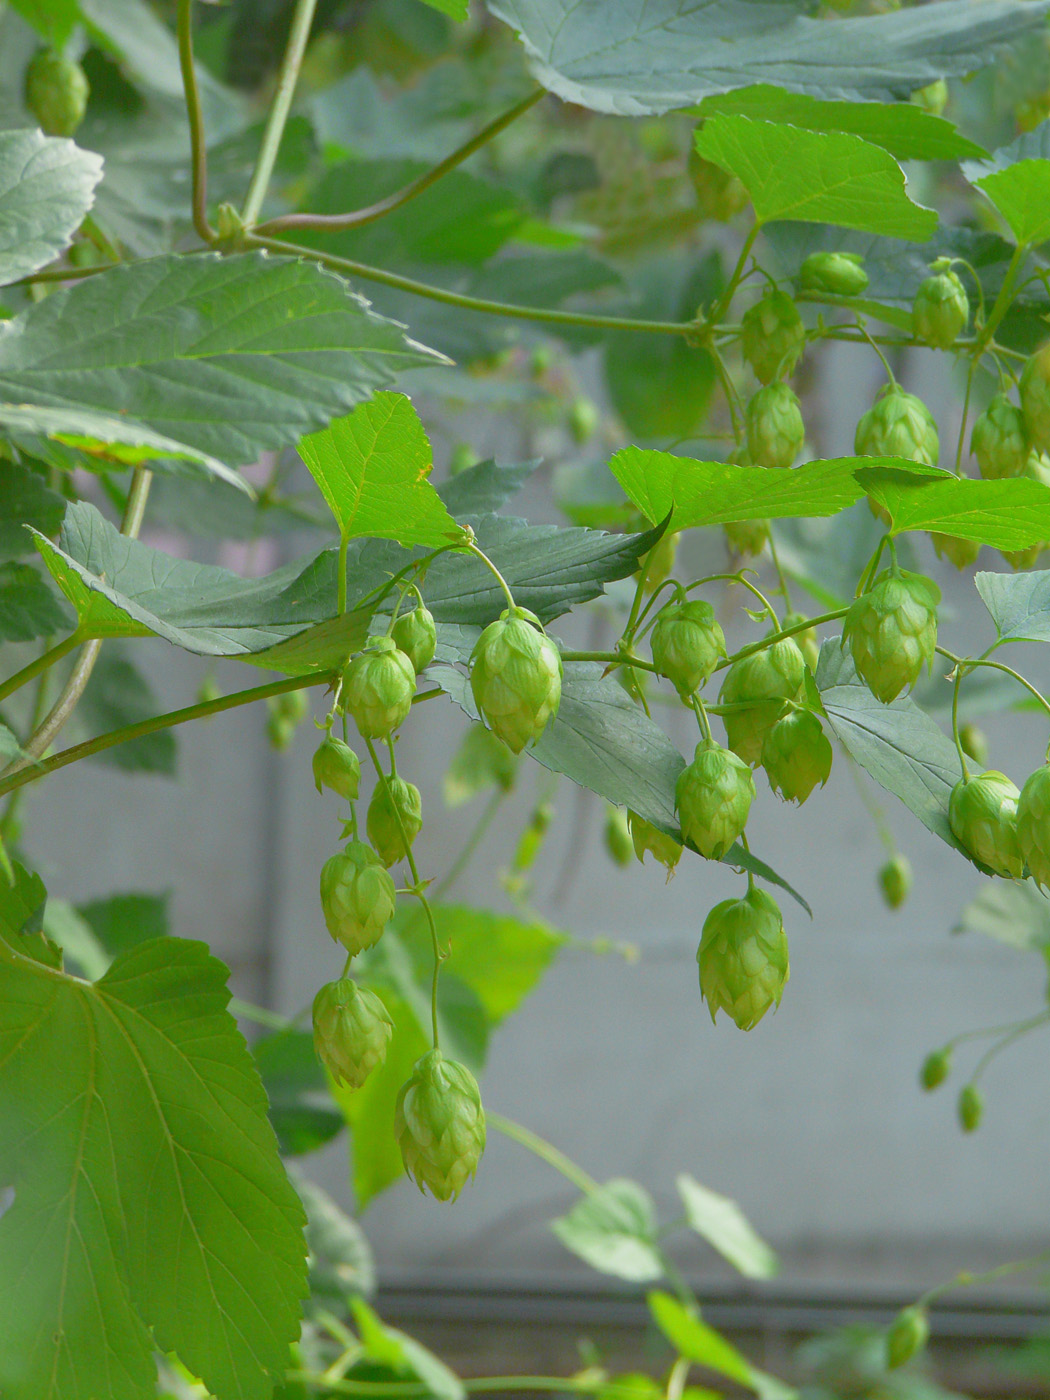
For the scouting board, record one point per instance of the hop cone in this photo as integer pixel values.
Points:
(999, 440)
(394, 799)
(935, 1068)
(743, 958)
(941, 308)
(892, 631)
(617, 836)
(982, 812)
(719, 195)
(796, 755)
(352, 1029)
(907, 1337)
(336, 766)
(775, 431)
(440, 1125)
(515, 675)
(898, 425)
(481, 761)
(895, 880)
(1035, 398)
(805, 641)
(1033, 824)
(57, 92)
(960, 553)
(713, 796)
(357, 897)
(746, 537)
(415, 634)
(687, 643)
(762, 682)
(974, 743)
(970, 1108)
(378, 687)
(649, 838)
(772, 336)
(840, 274)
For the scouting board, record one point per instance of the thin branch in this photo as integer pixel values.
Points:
(198, 148)
(302, 19)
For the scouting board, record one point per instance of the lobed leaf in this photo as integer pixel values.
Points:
(47, 185)
(1011, 514)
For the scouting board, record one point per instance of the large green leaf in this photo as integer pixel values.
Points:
(722, 1223)
(636, 58)
(150, 1207)
(824, 177)
(902, 128)
(230, 356)
(614, 1229)
(372, 468)
(395, 1351)
(25, 499)
(1016, 179)
(1019, 604)
(28, 607)
(46, 188)
(1004, 514)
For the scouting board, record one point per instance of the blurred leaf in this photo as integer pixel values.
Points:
(118, 695)
(480, 762)
(54, 19)
(404, 1355)
(692, 1338)
(722, 1223)
(65, 926)
(301, 1109)
(122, 921)
(484, 487)
(1019, 604)
(1012, 912)
(25, 499)
(28, 608)
(46, 188)
(455, 9)
(1021, 194)
(341, 1259)
(614, 1230)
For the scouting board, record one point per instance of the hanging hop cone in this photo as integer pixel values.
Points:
(395, 814)
(760, 682)
(1035, 398)
(796, 755)
(941, 308)
(515, 676)
(892, 631)
(357, 897)
(840, 274)
(378, 687)
(772, 336)
(895, 880)
(336, 766)
(415, 633)
(713, 796)
(898, 425)
(935, 1068)
(907, 1337)
(352, 1029)
(746, 537)
(775, 431)
(617, 836)
(56, 92)
(999, 440)
(439, 1124)
(743, 958)
(687, 644)
(982, 812)
(1033, 825)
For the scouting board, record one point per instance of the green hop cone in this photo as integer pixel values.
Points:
(796, 755)
(895, 879)
(839, 274)
(806, 641)
(935, 1068)
(617, 836)
(898, 425)
(743, 958)
(378, 687)
(357, 897)
(761, 682)
(772, 336)
(941, 307)
(659, 562)
(970, 1108)
(892, 631)
(775, 431)
(982, 812)
(746, 537)
(583, 419)
(439, 1124)
(336, 766)
(515, 677)
(974, 743)
(395, 814)
(650, 839)
(907, 1337)
(1022, 559)
(352, 1029)
(1033, 825)
(415, 633)
(713, 796)
(959, 553)
(56, 92)
(687, 644)
(999, 440)
(1035, 398)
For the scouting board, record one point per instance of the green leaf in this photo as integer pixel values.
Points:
(28, 608)
(66, 928)
(902, 128)
(1019, 604)
(1013, 912)
(22, 903)
(301, 1109)
(692, 1338)
(25, 500)
(372, 468)
(389, 1347)
(46, 187)
(1005, 514)
(1021, 194)
(484, 487)
(54, 19)
(341, 1259)
(123, 921)
(722, 1223)
(637, 59)
(828, 177)
(118, 695)
(150, 1207)
(455, 9)
(231, 356)
(614, 1230)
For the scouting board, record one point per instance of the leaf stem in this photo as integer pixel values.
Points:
(612, 658)
(198, 146)
(1021, 1029)
(969, 662)
(42, 663)
(959, 672)
(546, 1151)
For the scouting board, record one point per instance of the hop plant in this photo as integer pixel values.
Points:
(415, 634)
(746, 537)
(907, 1337)
(56, 92)
(775, 430)
(687, 643)
(743, 958)
(357, 897)
(648, 838)
(840, 274)
(762, 682)
(898, 425)
(617, 836)
(970, 1108)
(352, 1029)
(796, 755)
(974, 743)
(935, 1068)
(772, 336)
(515, 676)
(395, 817)
(982, 812)
(1035, 398)
(892, 631)
(439, 1124)
(285, 713)
(805, 641)
(895, 880)
(713, 796)
(1033, 824)
(941, 308)
(378, 687)
(960, 553)
(336, 766)
(999, 440)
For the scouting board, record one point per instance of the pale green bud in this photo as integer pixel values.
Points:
(357, 897)
(378, 687)
(839, 274)
(941, 308)
(415, 633)
(775, 431)
(772, 336)
(898, 425)
(743, 958)
(515, 677)
(761, 682)
(713, 796)
(352, 1029)
(336, 766)
(1033, 825)
(796, 755)
(439, 1124)
(982, 812)
(892, 631)
(687, 644)
(395, 815)
(999, 440)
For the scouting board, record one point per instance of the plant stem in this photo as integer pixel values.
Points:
(1002, 302)
(955, 723)
(302, 19)
(337, 223)
(965, 1279)
(482, 1385)
(198, 147)
(702, 720)
(969, 662)
(726, 298)
(42, 663)
(1033, 1023)
(543, 1149)
(492, 569)
(612, 658)
(780, 634)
